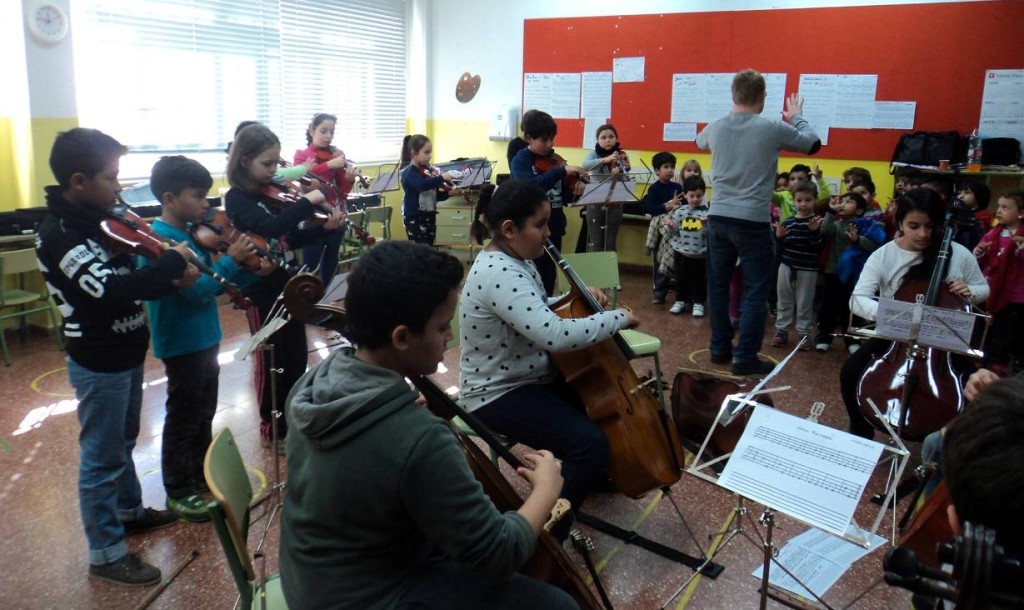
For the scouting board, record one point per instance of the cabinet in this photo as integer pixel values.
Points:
(454, 218)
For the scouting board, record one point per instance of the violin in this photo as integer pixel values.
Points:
(280, 194)
(216, 233)
(646, 452)
(323, 155)
(571, 181)
(916, 388)
(549, 562)
(430, 171)
(125, 230)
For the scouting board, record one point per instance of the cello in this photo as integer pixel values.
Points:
(646, 452)
(916, 388)
(549, 562)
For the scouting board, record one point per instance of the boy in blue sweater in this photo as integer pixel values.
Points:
(662, 197)
(800, 240)
(186, 335)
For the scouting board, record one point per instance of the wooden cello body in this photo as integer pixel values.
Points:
(549, 562)
(646, 452)
(916, 388)
(929, 527)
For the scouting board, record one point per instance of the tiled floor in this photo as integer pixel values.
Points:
(43, 563)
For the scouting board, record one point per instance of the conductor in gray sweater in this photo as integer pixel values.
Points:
(744, 160)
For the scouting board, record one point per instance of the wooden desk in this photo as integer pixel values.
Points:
(17, 242)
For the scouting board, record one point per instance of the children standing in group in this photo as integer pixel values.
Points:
(662, 197)
(689, 243)
(1001, 255)
(800, 241)
(844, 229)
(801, 173)
(99, 295)
(539, 164)
(190, 358)
(424, 187)
(251, 164)
(866, 189)
(334, 172)
(607, 160)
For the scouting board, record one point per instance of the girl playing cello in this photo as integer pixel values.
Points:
(920, 217)
(515, 391)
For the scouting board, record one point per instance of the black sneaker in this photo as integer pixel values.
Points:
(128, 570)
(723, 359)
(756, 367)
(153, 520)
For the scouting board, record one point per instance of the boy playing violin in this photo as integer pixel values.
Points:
(98, 292)
(186, 334)
(415, 529)
(539, 164)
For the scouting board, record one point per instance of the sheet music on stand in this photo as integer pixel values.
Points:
(803, 469)
(477, 174)
(608, 191)
(946, 329)
(385, 180)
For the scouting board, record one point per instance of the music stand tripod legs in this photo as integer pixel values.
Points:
(276, 491)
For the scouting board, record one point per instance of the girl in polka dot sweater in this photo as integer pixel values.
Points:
(506, 330)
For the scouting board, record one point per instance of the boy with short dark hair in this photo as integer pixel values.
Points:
(800, 244)
(855, 174)
(186, 335)
(689, 243)
(801, 173)
(535, 163)
(866, 189)
(415, 529)
(662, 197)
(98, 292)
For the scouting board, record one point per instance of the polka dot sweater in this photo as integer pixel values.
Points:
(507, 329)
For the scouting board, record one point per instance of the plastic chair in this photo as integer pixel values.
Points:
(19, 263)
(352, 248)
(229, 483)
(381, 214)
(601, 270)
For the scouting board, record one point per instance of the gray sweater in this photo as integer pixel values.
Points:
(376, 486)
(507, 329)
(745, 158)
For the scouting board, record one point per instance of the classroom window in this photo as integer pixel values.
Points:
(176, 76)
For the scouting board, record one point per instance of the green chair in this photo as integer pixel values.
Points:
(352, 248)
(19, 264)
(381, 214)
(232, 491)
(601, 270)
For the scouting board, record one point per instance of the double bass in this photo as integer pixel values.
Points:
(916, 388)
(646, 452)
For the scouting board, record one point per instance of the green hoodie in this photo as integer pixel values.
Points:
(378, 489)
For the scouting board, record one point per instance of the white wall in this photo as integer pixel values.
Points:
(486, 38)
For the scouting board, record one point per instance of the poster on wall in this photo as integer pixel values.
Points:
(628, 69)
(597, 94)
(1002, 105)
(557, 93)
(704, 97)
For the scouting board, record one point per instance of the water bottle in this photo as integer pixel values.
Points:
(974, 152)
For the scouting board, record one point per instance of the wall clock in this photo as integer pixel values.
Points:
(47, 22)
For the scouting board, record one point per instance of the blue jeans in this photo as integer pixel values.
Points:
(752, 244)
(108, 487)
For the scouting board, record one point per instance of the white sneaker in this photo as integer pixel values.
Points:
(677, 308)
(698, 310)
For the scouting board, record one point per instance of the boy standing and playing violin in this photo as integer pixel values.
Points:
(99, 294)
(539, 164)
(186, 335)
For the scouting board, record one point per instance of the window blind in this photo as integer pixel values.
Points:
(177, 76)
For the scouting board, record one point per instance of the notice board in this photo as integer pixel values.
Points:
(933, 54)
